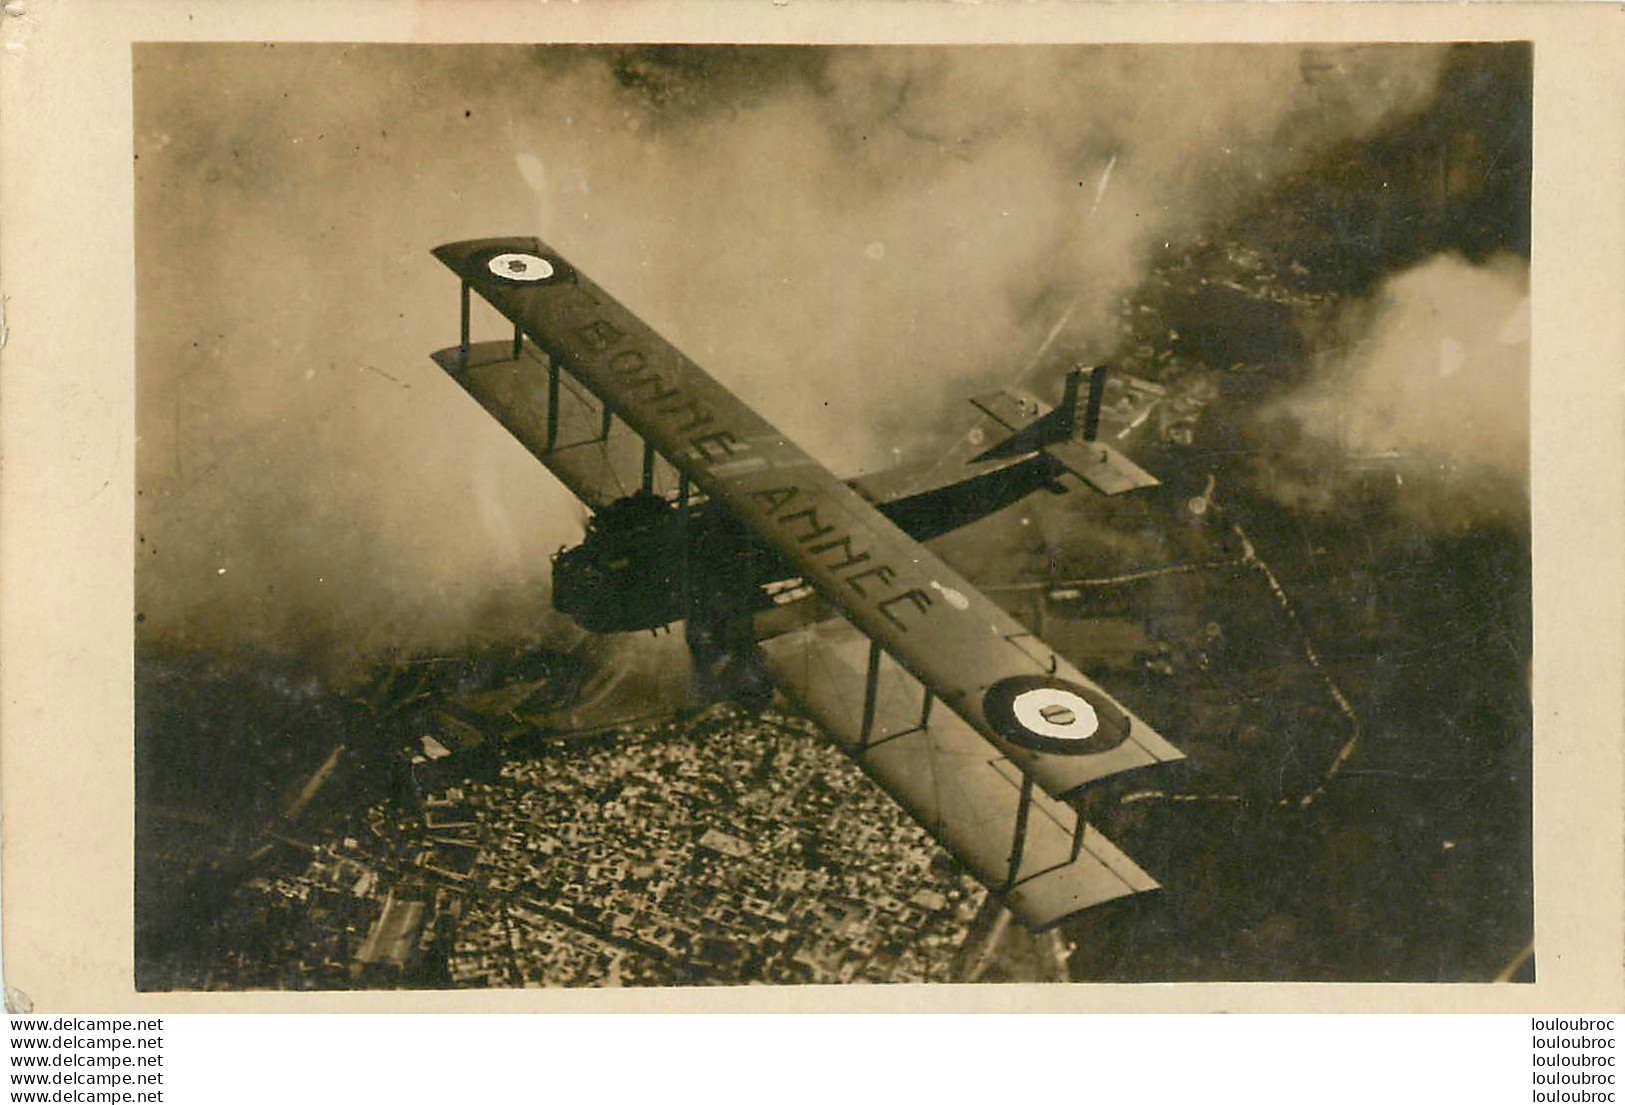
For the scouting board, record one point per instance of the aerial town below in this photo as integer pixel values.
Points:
(726, 850)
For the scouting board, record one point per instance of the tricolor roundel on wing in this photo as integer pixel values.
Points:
(1054, 715)
(512, 267)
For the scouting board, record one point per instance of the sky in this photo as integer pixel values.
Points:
(854, 240)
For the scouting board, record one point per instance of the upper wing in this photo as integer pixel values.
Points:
(1040, 713)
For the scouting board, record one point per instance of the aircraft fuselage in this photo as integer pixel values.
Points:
(645, 563)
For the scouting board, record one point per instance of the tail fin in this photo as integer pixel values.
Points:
(1061, 424)
(1097, 391)
(1060, 435)
(1066, 415)
(1094, 462)
(1066, 424)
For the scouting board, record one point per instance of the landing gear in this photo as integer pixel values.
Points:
(726, 663)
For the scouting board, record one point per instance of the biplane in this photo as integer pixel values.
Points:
(704, 513)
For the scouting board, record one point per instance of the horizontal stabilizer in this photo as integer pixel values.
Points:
(1033, 426)
(1101, 466)
(1015, 411)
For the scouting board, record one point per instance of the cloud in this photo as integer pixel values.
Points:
(851, 239)
(1434, 370)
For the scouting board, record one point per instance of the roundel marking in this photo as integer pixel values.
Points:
(1053, 712)
(1054, 715)
(520, 268)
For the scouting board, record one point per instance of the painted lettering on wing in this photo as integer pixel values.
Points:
(796, 514)
(643, 386)
(654, 391)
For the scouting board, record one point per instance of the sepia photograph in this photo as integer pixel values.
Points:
(649, 515)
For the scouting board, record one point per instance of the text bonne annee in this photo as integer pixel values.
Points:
(790, 508)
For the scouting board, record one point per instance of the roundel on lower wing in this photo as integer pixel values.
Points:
(1054, 715)
(520, 268)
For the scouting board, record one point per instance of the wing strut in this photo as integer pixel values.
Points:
(648, 467)
(462, 346)
(552, 403)
(1019, 845)
(871, 688)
